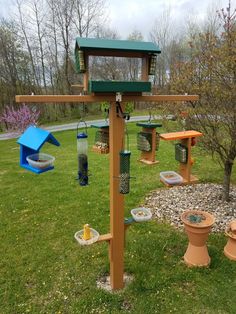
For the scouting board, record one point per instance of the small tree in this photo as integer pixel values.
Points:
(210, 72)
(19, 119)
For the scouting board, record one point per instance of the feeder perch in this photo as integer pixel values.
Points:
(31, 142)
(141, 214)
(101, 143)
(148, 142)
(79, 236)
(124, 171)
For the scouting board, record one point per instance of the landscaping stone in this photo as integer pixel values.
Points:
(168, 204)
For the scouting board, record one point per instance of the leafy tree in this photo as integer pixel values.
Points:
(210, 72)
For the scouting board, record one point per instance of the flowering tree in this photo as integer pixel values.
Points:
(19, 119)
(210, 72)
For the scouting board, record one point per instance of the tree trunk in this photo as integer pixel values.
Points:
(226, 183)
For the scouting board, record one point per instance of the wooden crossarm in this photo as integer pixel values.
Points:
(100, 98)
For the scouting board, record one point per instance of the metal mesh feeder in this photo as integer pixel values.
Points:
(144, 141)
(124, 171)
(157, 141)
(181, 153)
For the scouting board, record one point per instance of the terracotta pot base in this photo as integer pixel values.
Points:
(197, 256)
(230, 248)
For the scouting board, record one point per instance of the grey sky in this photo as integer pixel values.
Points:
(128, 15)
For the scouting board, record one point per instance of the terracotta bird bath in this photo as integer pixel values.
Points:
(197, 225)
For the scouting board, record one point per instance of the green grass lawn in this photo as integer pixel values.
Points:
(44, 270)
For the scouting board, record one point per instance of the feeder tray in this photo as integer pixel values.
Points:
(141, 214)
(181, 153)
(40, 160)
(144, 141)
(79, 237)
(171, 177)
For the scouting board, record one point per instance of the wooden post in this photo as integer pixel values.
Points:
(185, 169)
(116, 139)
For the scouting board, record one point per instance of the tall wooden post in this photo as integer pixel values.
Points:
(185, 169)
(116, 139)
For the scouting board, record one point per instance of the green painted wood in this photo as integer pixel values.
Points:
(118, 86)
(148, 125)
(100, 125)
(119, 45)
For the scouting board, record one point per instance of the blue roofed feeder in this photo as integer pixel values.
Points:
(31, 141)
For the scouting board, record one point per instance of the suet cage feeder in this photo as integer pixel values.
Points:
(144, 141)
(152, 65)
(148, 142)
(181, 153)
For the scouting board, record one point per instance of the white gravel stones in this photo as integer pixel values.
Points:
(169, 204)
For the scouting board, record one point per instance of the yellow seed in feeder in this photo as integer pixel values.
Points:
(87, 232)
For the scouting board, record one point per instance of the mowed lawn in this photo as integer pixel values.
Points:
(44, 270)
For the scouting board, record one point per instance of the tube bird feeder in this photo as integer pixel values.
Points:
(124, 171)
(82, 149)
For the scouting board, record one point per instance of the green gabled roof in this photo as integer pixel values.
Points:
(119, 45)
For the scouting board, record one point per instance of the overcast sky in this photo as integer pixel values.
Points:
(128, 15)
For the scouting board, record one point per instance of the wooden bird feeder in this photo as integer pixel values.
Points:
(184, 153)
(117, 94)
(101, 142)
(148, 142)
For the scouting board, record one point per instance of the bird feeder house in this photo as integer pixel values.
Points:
(101, 142)
(148, 142)
(146, 51)
(31, 141)
(183, 152)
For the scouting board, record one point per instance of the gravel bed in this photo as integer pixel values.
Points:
(169, 204)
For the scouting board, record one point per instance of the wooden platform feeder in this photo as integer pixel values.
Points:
(148, 142)
(101, 142)
(183, 153)
(130, 91)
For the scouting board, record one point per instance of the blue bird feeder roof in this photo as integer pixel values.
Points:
(34, 138)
